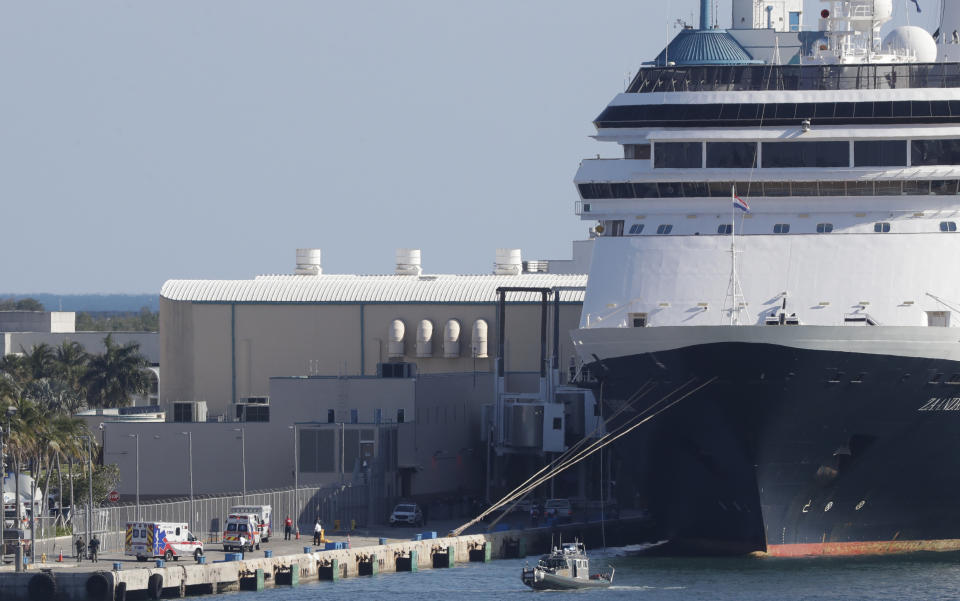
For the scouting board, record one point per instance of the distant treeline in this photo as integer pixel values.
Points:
(144, 320)
(21, 304)
(119, 321)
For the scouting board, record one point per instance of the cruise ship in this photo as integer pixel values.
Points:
(775, 273)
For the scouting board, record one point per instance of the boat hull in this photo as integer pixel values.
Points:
(801, 441)
(544, 581)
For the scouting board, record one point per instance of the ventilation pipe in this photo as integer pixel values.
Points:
(705, 17)
(509, 262)
(478, 340)
(425, 339)
(308, 262)
(395, 339)
(451, 339)
(408, 261)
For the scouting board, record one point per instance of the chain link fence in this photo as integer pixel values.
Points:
(350, 504)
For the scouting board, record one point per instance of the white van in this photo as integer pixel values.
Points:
(169, 540)
(241, 532)
(264, 517)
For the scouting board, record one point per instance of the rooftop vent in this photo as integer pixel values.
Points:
(508, 262)
(408, 261)
(308, 261)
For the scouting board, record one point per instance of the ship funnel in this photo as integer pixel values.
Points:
(308, 262)
(706, 15)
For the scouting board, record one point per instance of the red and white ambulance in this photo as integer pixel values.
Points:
(169, 540)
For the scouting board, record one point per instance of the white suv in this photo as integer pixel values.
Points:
(406, 513)
(559, 509)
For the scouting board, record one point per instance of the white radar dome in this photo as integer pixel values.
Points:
(882, 10)
(912, 41)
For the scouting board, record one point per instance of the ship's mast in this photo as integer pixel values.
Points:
(734, 291)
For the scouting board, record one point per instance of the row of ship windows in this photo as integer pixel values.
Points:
(880, 227)
(743, 155)
(599, 191)
(781, 113)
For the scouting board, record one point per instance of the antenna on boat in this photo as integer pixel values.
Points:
(734, 291)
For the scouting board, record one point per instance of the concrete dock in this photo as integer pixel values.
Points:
(292, 562)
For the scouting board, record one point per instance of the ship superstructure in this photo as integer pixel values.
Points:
(821, 320)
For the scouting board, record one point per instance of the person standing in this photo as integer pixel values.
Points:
(79, 547)
(317, 532)
(94, 547)
(287, 528)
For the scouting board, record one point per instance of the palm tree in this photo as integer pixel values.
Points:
(39, 360)
(72, 364)
(115, 375)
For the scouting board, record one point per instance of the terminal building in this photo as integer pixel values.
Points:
(391, 377)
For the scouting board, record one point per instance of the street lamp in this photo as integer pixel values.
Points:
(296, 476)
(90, 484)
(189, 436)
(137, 437)
(243, 459)
(11, 410)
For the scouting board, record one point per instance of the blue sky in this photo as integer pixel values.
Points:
(144, 141)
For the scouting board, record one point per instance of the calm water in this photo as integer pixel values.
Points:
(919, 576)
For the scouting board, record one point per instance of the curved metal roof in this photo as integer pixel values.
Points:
(337, 288)
(704, 47)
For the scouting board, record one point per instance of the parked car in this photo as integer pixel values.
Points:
(558, 509)
(406, 513)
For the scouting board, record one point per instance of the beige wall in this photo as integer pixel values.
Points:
(202, 344)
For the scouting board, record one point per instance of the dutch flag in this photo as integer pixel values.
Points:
(741, 204)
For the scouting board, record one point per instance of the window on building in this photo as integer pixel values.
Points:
(683, 155)
(948, 226)
(938, 319)
(638, 320)
(354, 416)
(794, 21)
(806, 154)
(943, 187)
(636, 228)
(636, 151)
(664, 228)
(880, 153)
(916, 187)
(935, 152)
(781, 228)
(881, 227)
(401, 416)
(613, 227)
(725, 228)
(730, 155)
(670, 189)
(824, 228)
(377, 416)
(331, 416)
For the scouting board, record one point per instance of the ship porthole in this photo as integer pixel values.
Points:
(860, 505)
(829, 506)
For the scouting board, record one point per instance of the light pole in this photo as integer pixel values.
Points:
(90, 486)
(296, 477)
(243, 458)
(11, 410)
(137, 438)
(189, 436)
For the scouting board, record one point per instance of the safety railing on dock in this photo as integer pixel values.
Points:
(350, 504)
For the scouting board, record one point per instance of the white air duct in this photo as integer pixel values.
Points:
(478, 341)
(451, 339)
(408, 261)
(308, 261)
(425, 338)
(508, 262)
(395, 339)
